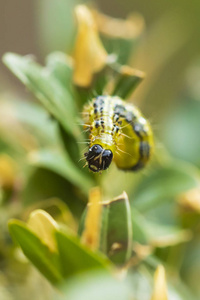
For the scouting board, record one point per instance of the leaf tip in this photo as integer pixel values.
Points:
(160, 286)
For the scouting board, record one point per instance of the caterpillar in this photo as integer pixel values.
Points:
(118, 132)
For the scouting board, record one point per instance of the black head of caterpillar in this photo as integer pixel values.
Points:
(118, 132)
(98, 159)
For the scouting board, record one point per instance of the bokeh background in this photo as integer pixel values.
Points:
(170, 43)
(168, 51)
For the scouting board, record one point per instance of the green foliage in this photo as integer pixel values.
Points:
(63, 166)
(75, 257)
(116, 229)
(165, 183)
(182, 126)
(157, 233)
(70, 256)
(46, 87)
(127, 81)
(153, 227)
(45, 260)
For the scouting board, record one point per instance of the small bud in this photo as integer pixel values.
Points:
(8, 171)
(160, 286)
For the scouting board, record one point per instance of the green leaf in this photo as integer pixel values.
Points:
(62, 165)
(116, 233)
(116, 229)
(44, 128)
(37, 194)
(115, 46)
(36, 121)
(127, 81)
(69, 144)
(51, 93)
(60, 67)
(76, 257)
(84, 94)
(97, 86)
(165, 183)
(46, 261)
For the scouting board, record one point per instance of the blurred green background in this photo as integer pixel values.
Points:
(169, 52)
(169, 45)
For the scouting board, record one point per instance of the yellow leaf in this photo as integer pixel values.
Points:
(130, 28)
(8, 170)
(91, 232)
(190, 200)
(89, 54)
(160, 286)
(44, 226)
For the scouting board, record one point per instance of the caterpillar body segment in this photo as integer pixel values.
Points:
(135, 143)
(119, 132)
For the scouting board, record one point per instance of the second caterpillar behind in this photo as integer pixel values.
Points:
(118, 132)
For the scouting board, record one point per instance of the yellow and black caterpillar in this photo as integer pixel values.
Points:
(119, 132)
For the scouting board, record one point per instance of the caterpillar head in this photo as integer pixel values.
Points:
(98, 158)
